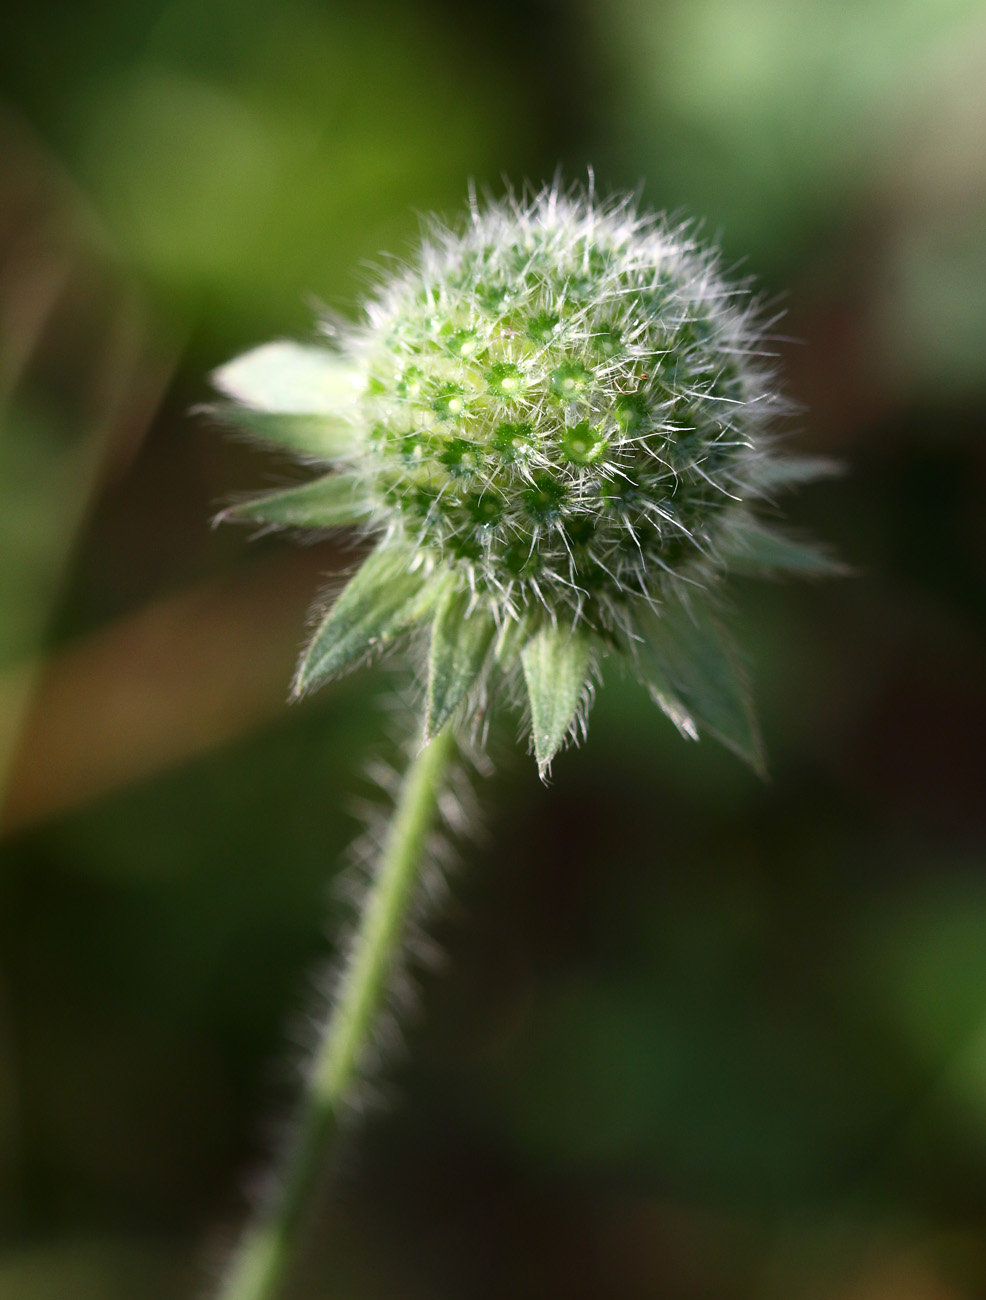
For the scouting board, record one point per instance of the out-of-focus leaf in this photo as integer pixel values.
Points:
(663, 694)
(774, 473)
(327, 502)
(693, 669)
(383, 599)
(556, 665)
(753, 547)
(460, 643)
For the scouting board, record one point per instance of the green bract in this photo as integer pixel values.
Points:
(555, 422)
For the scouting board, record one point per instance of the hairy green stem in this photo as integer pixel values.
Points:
(258, 1268)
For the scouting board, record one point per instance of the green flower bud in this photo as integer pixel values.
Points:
(556, 421)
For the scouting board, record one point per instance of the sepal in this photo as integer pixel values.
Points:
(755, 548)
(294, 396)
(556, 671)
(514, 634)
(290, 379)
(325, 438)
(380, 601)
(460, 644)
(328, 502)
(776, 473)
(692, 668)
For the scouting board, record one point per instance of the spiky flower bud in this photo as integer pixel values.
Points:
(561, 404)
(556, 421)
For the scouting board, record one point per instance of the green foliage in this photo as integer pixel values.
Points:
(379, 603)
(317, 438)
(329, 502)
(556, 665)
(694, 673)
(760, 550)
(460, 644)
(290, 379)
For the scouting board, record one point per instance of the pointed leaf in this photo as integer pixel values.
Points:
(556, 667)
(778, 472)
(460, 643)
(692, 668)
(290, 379)
(753, 547)
(663, 694)
(327, 502)
(317, 437)
(380, 601)
(513, 636)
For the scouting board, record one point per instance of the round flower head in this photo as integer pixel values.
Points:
(555, 421)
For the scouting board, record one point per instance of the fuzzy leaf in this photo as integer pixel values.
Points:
(380, 601)
(316, 437)
(692, 668)
(513, 636)
(556, 666)
(755, 548)
(290, 379)
(326, 502)
(775, 473)
(663, 694)
(459, 646)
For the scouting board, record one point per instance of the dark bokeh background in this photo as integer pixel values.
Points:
(697, 1037)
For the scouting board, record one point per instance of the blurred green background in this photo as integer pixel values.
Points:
(696, 1037)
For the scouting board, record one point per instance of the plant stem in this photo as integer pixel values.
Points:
(261, 1261)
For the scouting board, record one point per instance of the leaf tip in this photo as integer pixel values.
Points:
(300, 683)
